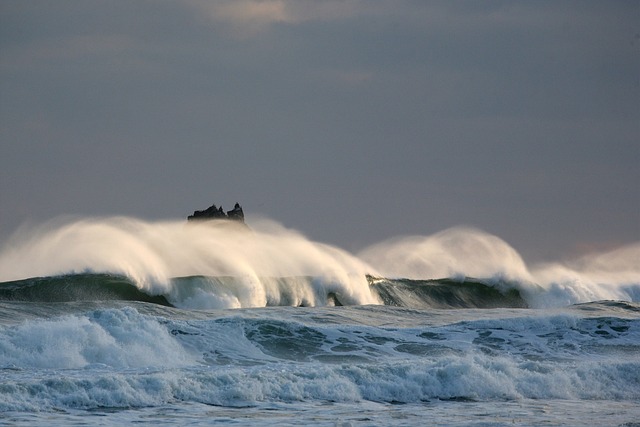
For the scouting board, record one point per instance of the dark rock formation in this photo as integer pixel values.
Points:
(214, 212)
(236, 213)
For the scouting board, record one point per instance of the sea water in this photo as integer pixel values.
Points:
(115, 321)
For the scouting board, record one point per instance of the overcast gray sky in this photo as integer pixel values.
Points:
(350, 121)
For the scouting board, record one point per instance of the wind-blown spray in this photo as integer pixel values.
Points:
(463, 252)
(223, 264)
(154, 254)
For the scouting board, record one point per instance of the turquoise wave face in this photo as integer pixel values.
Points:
(448, 293)
(202, 292)
(77, 287)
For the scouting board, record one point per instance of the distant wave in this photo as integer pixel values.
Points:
(446, 293)
(227, 292)
(76, 287)
(208, 266)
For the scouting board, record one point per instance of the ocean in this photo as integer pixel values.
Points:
(114, 321)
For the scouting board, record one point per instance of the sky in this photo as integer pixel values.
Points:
(351, 121)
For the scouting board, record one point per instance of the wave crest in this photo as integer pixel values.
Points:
(153, 254)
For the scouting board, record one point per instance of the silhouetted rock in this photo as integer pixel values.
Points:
(236, 213)
(214, 212)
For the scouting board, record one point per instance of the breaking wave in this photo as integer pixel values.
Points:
(202, 292)
(120, 358)
(225, 265)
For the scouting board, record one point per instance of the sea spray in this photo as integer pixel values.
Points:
(226, 265)
(454, 252)
(464, 252)
(152, 254)
(611, 275)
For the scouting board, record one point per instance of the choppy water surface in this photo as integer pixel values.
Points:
(111, 322)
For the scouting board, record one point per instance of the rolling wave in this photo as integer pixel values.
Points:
(446, 293)
(77, 287)
(122, 358)
(209, 266)
(230, 292)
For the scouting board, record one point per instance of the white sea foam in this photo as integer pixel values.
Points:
(120, 358)
(114, 338)
(477, 377)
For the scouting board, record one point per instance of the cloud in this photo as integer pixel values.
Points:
(247, 18)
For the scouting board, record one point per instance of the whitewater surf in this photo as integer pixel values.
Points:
(117, 320)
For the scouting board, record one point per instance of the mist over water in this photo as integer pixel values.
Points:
(154, 254)
(461, 252)
(455, 252)
(611, 275)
